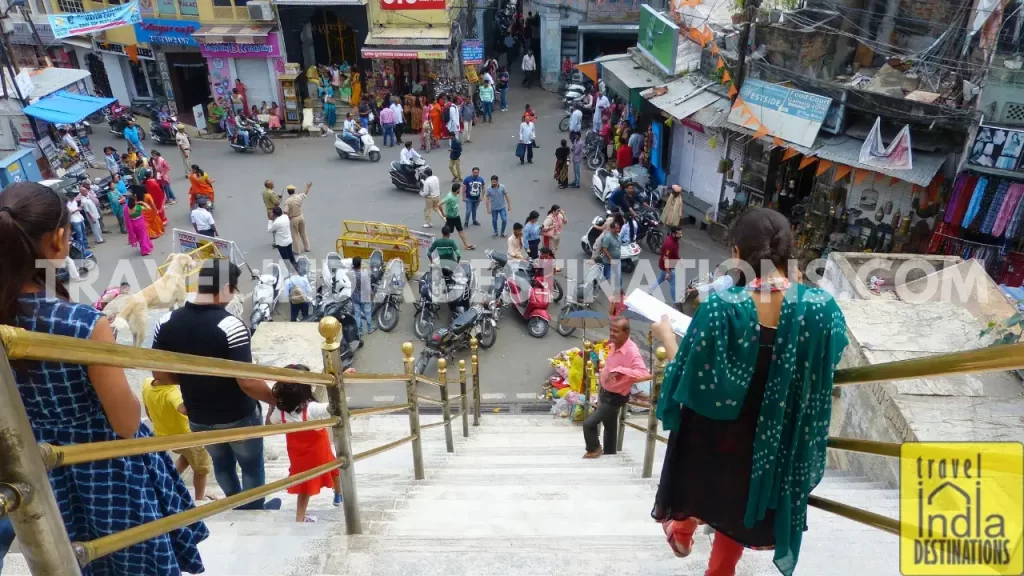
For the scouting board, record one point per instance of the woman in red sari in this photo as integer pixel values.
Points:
(154, 189)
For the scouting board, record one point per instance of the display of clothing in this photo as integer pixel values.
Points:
(991, 210)
(975, 206)
(1008, 208)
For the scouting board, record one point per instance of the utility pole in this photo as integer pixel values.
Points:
(749, 7)
(27, 15)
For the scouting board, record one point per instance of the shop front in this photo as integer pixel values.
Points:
(316, 33)
(251, 54)
(625, 80)
(418, 61)
(135, 72)
(180, 67)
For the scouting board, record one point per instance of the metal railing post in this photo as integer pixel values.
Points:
(463, 400)
(652, 416)
(414, 411)
(34, 512)
(588, 367)
(476, 380)
(330, 329)
(623, 414)
(446, 410)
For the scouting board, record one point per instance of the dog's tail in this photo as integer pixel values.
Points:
(120, 324)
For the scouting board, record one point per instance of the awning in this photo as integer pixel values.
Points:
(46, 81)
(846, 150)
(589, 68)
(78, 42)
(66, 107)
(713, 115)
(318, 2)
(214, 34)
(407, 44)
(683, 97)
(607, 28)
(630, 74)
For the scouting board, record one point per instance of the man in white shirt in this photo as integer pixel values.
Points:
(575, 122)
(527, 134)
(431, 193)
(407, 159)
(92, 214)
(299, 292)
(69, 141)
(281, 229)
(349, 128)
(529, 69)
(202, 220)
(396, 107)
(77, 219)
(454, 119)
(599, 106)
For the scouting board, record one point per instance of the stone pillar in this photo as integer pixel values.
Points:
(550, 48)
(480, 27)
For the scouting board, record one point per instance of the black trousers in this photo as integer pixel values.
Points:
(607, 413)
(287, 254)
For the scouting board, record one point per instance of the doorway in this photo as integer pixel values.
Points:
(334, 41)
(190, 81)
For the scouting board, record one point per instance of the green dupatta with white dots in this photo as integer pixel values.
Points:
(712, 372)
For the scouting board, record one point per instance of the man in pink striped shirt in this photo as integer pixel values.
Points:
(623, 367)
(387, 124)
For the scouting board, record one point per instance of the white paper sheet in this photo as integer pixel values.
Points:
(653, 309)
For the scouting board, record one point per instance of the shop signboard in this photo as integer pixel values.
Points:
(658, 38)
(74, 24)
(200, 116)
(162, 31)
(188, 7)
(412, 4)
(996, 147)
(271, 49)
(472, 51)
(792, 115)
(386, 54)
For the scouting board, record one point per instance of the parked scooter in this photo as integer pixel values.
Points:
(163, 132)
(525, 288)
(604, 182)
(265, 295)
(402, 179)
(368, 151)
(391, 291)
(629, 255)
(334, 298)
(82, 258)
(258, 138)
(580, 297)
(478, 322)
(441, 284)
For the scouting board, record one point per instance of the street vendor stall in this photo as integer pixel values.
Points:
(65, 109)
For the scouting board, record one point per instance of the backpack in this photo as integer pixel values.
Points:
(296, 296)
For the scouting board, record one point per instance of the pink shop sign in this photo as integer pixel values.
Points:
(234, 50)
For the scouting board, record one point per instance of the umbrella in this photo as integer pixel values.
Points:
(585, 319)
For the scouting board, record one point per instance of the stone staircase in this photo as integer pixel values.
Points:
(514, 499)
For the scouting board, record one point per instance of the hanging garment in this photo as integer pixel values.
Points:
(964, 200)
(954, 197)
(993, 208)
(1007, 209)
(975, 205)
(1014, 225)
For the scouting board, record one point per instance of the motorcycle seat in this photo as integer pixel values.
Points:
(464, 321)
(500, 258)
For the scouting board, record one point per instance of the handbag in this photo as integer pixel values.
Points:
(520, 150)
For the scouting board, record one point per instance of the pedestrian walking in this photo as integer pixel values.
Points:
(667, 261)
(162, 173)
(131, 134)
(92, 215)
(184, 146)
(636, 145)
(116, 201)
(454, 121)
(529, 69)
(455, 158)
(281, 230)
(503, 87)
(527, 133)
(300, 292)
(362, 296)
(576, 122)
(473, 188)
(450, 211)
(562, 165)
(387, 125)
(487, 100)
(498, 205)
(577, 160)
(112, 160)
(292, 207)
(202, 221)
(431, 193)
(551, 229)
(623, 368)
(427, 134)
(399, 112)
(270, 198)
(468, 117)
(531, 234)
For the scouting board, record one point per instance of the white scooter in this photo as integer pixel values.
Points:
(604, 182)
(266, 294)
(335, 281)
(629, 254)
(370, 150)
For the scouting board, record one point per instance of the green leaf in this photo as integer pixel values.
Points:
(1014, 320)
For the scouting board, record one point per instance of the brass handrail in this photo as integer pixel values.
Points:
(377, 409)
(23, 344)
(435, 424)
(865, 446)
(428, 400)
(384, 448)
(452, 399)
(371, 378)
(884, 523)
(421, 379)
(56, 456)
(100, 547)
(994, 359)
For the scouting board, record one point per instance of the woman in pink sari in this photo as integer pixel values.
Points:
(135, 221)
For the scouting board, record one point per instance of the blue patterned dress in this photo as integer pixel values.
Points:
(104, 497)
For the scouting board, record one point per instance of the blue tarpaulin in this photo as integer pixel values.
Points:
(66, 107)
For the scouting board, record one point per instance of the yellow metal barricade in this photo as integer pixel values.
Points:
(360, 238)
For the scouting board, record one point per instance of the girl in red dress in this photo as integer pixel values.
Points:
(307, 449)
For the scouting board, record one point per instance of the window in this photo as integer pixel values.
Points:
(70, 6)
(223, 3)
(146, 78)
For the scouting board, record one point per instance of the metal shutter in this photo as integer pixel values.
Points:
(255, 73)
(706, 182)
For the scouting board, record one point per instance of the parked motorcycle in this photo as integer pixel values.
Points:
(594, 150)
(440, 284)
(334, 298)
(116, 125)
(526, 288)
(369, 150)
(82, 258)
(563, 124)
(649, 228)
(163, 132)
(391, 292)
(478, 322)
(580, 297)
(258, 138)
(265, 295)
(629, 255)
(402, 179)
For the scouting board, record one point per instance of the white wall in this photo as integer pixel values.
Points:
(81, 53)
(900, 194)
(116, 77)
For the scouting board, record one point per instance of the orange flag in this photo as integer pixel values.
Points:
(714, 49)
(893, 181)
(823, 166)
(752, 122)
(726, 77)
(875, 176)
(732, 91)
(841, 172)
(761, 132)
(790, 152)
(860, 176)
(746, 110)
(695, 34)
(807, 161)
(776, 141)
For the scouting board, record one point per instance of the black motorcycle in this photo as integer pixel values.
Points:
(649, 228)
(343, 309)
(440, 284)
(117, 125)
(391, 289)
(404, 180)
(164, 134)
(478, 322)
(258, 138)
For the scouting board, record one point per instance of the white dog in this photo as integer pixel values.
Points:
(168, 291)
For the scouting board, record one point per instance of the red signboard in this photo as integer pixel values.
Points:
(412, 4)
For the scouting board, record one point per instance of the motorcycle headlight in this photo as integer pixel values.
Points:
(347, 307)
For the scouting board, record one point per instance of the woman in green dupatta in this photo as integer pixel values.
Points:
(747, 398)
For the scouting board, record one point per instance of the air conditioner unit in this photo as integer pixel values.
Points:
(261, 11)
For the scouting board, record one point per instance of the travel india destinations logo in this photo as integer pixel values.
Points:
(961, 508)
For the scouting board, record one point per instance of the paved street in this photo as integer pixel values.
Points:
(512, 371)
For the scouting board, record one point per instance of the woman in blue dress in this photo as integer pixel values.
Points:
(76, 404)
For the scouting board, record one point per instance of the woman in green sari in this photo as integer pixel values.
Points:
(345, 92)
(747, 400)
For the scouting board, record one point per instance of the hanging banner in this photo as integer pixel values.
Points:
(895, 156)
(793, 115)
(472, 51)
(73, 24)
(405, 54)
(658, 39)
(412, 4)
(996, 147)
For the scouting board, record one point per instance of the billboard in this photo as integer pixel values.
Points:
(793, 115)
(73, 24)
(658, 38)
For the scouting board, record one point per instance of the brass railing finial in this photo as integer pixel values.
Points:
(330, 329)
